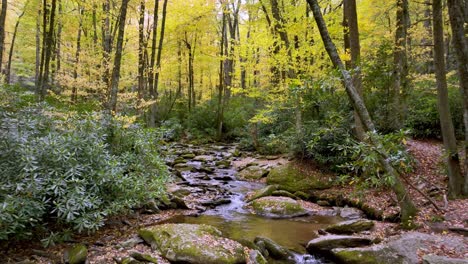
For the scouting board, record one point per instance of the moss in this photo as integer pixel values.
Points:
(277, 207)
(356, 257)
(78, 254)
(289, 178)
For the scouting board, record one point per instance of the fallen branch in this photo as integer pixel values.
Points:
(423, 194)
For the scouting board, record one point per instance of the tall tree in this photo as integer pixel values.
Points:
(460, 43)
(446, 124)
(3, 15)
(114, 82)
(400, 64)
(141, 50)
(12, 45)
(74, 96)
(48, 43)
(352, 37)
(408, 210)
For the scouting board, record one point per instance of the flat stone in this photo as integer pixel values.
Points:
(329, 242)
(252, 173)
(433, 259)
(277, 207)
(267, 191)
(350, 226)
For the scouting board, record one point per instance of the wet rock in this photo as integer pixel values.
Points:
(289, 178)
(401, 249)
(329, 242)
(223, 178)
(130, 243)
(188, 155)
(178, 161)
(277, 207)
(275, 251)
(349, 212)
(272, 157)
(255, 257)
(433, 259)
(207, 170)
(216, 202)
(323, 203)
(76, 254)
(203, 158)
(252, 173)
(350, 226)
(179, 202)
(284, 193)
(267, 191)
(198, 244)
(127, 260)
(223, 163)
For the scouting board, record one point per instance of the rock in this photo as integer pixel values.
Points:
(207, 170)
(127, 260)
(460, 230)
(289, 178)
(255, 257)
(216, 202)
(326, 243)
(179, 202)
(284, 193)
(178, 161)
(151, 207)
(252, 173)
(323, 203)
(76, 254)
(197, 244)
(277, 207)
(203, 158)
(350, 226)
(349, 212)
(399, 250)
(188, 156)
(433, 259)
(143, 257)
(302, 195)
(274, 250)
(223, 163)
(267, 191)
(132, 242)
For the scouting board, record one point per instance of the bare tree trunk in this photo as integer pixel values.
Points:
(220, 116)
(3, 15)
(408, 210)
(141, 51)
(448, 134)
(106, 44)
(12, 46)
(160, 46)
(58, 43)
(460, 43)
(48, 51)
(112, 106)
(38, 48)
(351, 22)
(400, 71)
(153, 50)
(74, 96)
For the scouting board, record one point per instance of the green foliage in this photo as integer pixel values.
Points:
(72, 171)
(364, 166)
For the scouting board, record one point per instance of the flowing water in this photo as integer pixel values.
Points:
(237, 223)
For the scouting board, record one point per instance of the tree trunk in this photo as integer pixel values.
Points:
(141, 51)
(106, 45)
(74, 96)
(448, 134)
(112, 105)
(58, 43)
(400, 64)
(12, 46)
(3, 15)
(38, 48)
(220, 116)
(408, 210)
(153, 50)
(460, 43)
(351, 21)
(49, 44)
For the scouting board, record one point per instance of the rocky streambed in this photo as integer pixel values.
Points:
(245, 208)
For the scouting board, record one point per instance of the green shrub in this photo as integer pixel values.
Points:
(72, 171)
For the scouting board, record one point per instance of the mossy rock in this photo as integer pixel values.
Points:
(284, 193)
(223, 163)
(291, 179)
(190, 243)
(76, 255)
(277, 207)
(267, 191)
(255, 257)
(350, 226)
(252, 173)
(326, 243)
(275, 251)
(373, 255)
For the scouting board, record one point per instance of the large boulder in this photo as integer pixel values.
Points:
(350, 226)
(274, 250)
(434, 259)
(277, 207)
(399, 250)
(252, 173)
(197, 244)
(325, 244)
(76, 254)
(291, 179)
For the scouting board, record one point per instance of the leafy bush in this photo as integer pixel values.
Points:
(72, 171)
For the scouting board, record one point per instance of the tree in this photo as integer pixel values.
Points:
(460, 42)
(12, 45)
(352, 37)
(408, 210)
(3, 14)
(114, 84)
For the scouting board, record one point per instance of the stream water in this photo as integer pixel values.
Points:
(233, 219)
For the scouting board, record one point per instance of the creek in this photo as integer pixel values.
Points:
(205, 168)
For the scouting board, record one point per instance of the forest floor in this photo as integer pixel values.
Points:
(427, 186)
